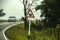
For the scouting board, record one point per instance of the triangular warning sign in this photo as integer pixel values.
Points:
(30, 14)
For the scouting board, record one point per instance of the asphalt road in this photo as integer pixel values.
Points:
(4, 26)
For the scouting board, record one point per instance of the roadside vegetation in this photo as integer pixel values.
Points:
(46, 29)
(18, 32)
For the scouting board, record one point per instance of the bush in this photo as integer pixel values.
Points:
(36, 26)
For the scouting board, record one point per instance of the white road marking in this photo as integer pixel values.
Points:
(2, 33)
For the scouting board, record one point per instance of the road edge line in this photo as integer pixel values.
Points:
(7, 29)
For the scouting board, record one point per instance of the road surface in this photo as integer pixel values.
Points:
(4, 26)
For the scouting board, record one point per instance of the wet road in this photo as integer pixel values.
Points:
(4, 26)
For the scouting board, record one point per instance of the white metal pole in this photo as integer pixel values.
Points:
(29, 28)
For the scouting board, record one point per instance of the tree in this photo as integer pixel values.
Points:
(26, 7)
(22, 18)
(51, 10)
(25, 20)
(1, 13)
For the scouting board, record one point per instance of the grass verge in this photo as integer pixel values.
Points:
(18, 32)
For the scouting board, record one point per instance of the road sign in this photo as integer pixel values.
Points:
(30, 14)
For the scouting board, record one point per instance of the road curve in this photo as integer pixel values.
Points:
(5, 27)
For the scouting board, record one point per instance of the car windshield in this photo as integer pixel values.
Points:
(12, 17)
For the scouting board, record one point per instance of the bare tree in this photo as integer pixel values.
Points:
(25, 20)
(26, 7)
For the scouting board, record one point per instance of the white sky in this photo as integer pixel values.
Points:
(14, 8)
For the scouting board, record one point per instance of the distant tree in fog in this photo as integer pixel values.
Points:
(1, 13)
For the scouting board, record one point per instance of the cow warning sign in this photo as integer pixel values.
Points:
(30, 14)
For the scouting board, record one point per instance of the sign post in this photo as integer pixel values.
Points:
(30, 15)
(29, 29)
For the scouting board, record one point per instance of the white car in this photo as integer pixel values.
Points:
(12, 19)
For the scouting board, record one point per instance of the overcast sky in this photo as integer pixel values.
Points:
(14, 8)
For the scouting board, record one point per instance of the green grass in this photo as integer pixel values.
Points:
(19, 33)
(16, 33)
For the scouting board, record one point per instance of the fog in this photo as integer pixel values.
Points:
(14, 8)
